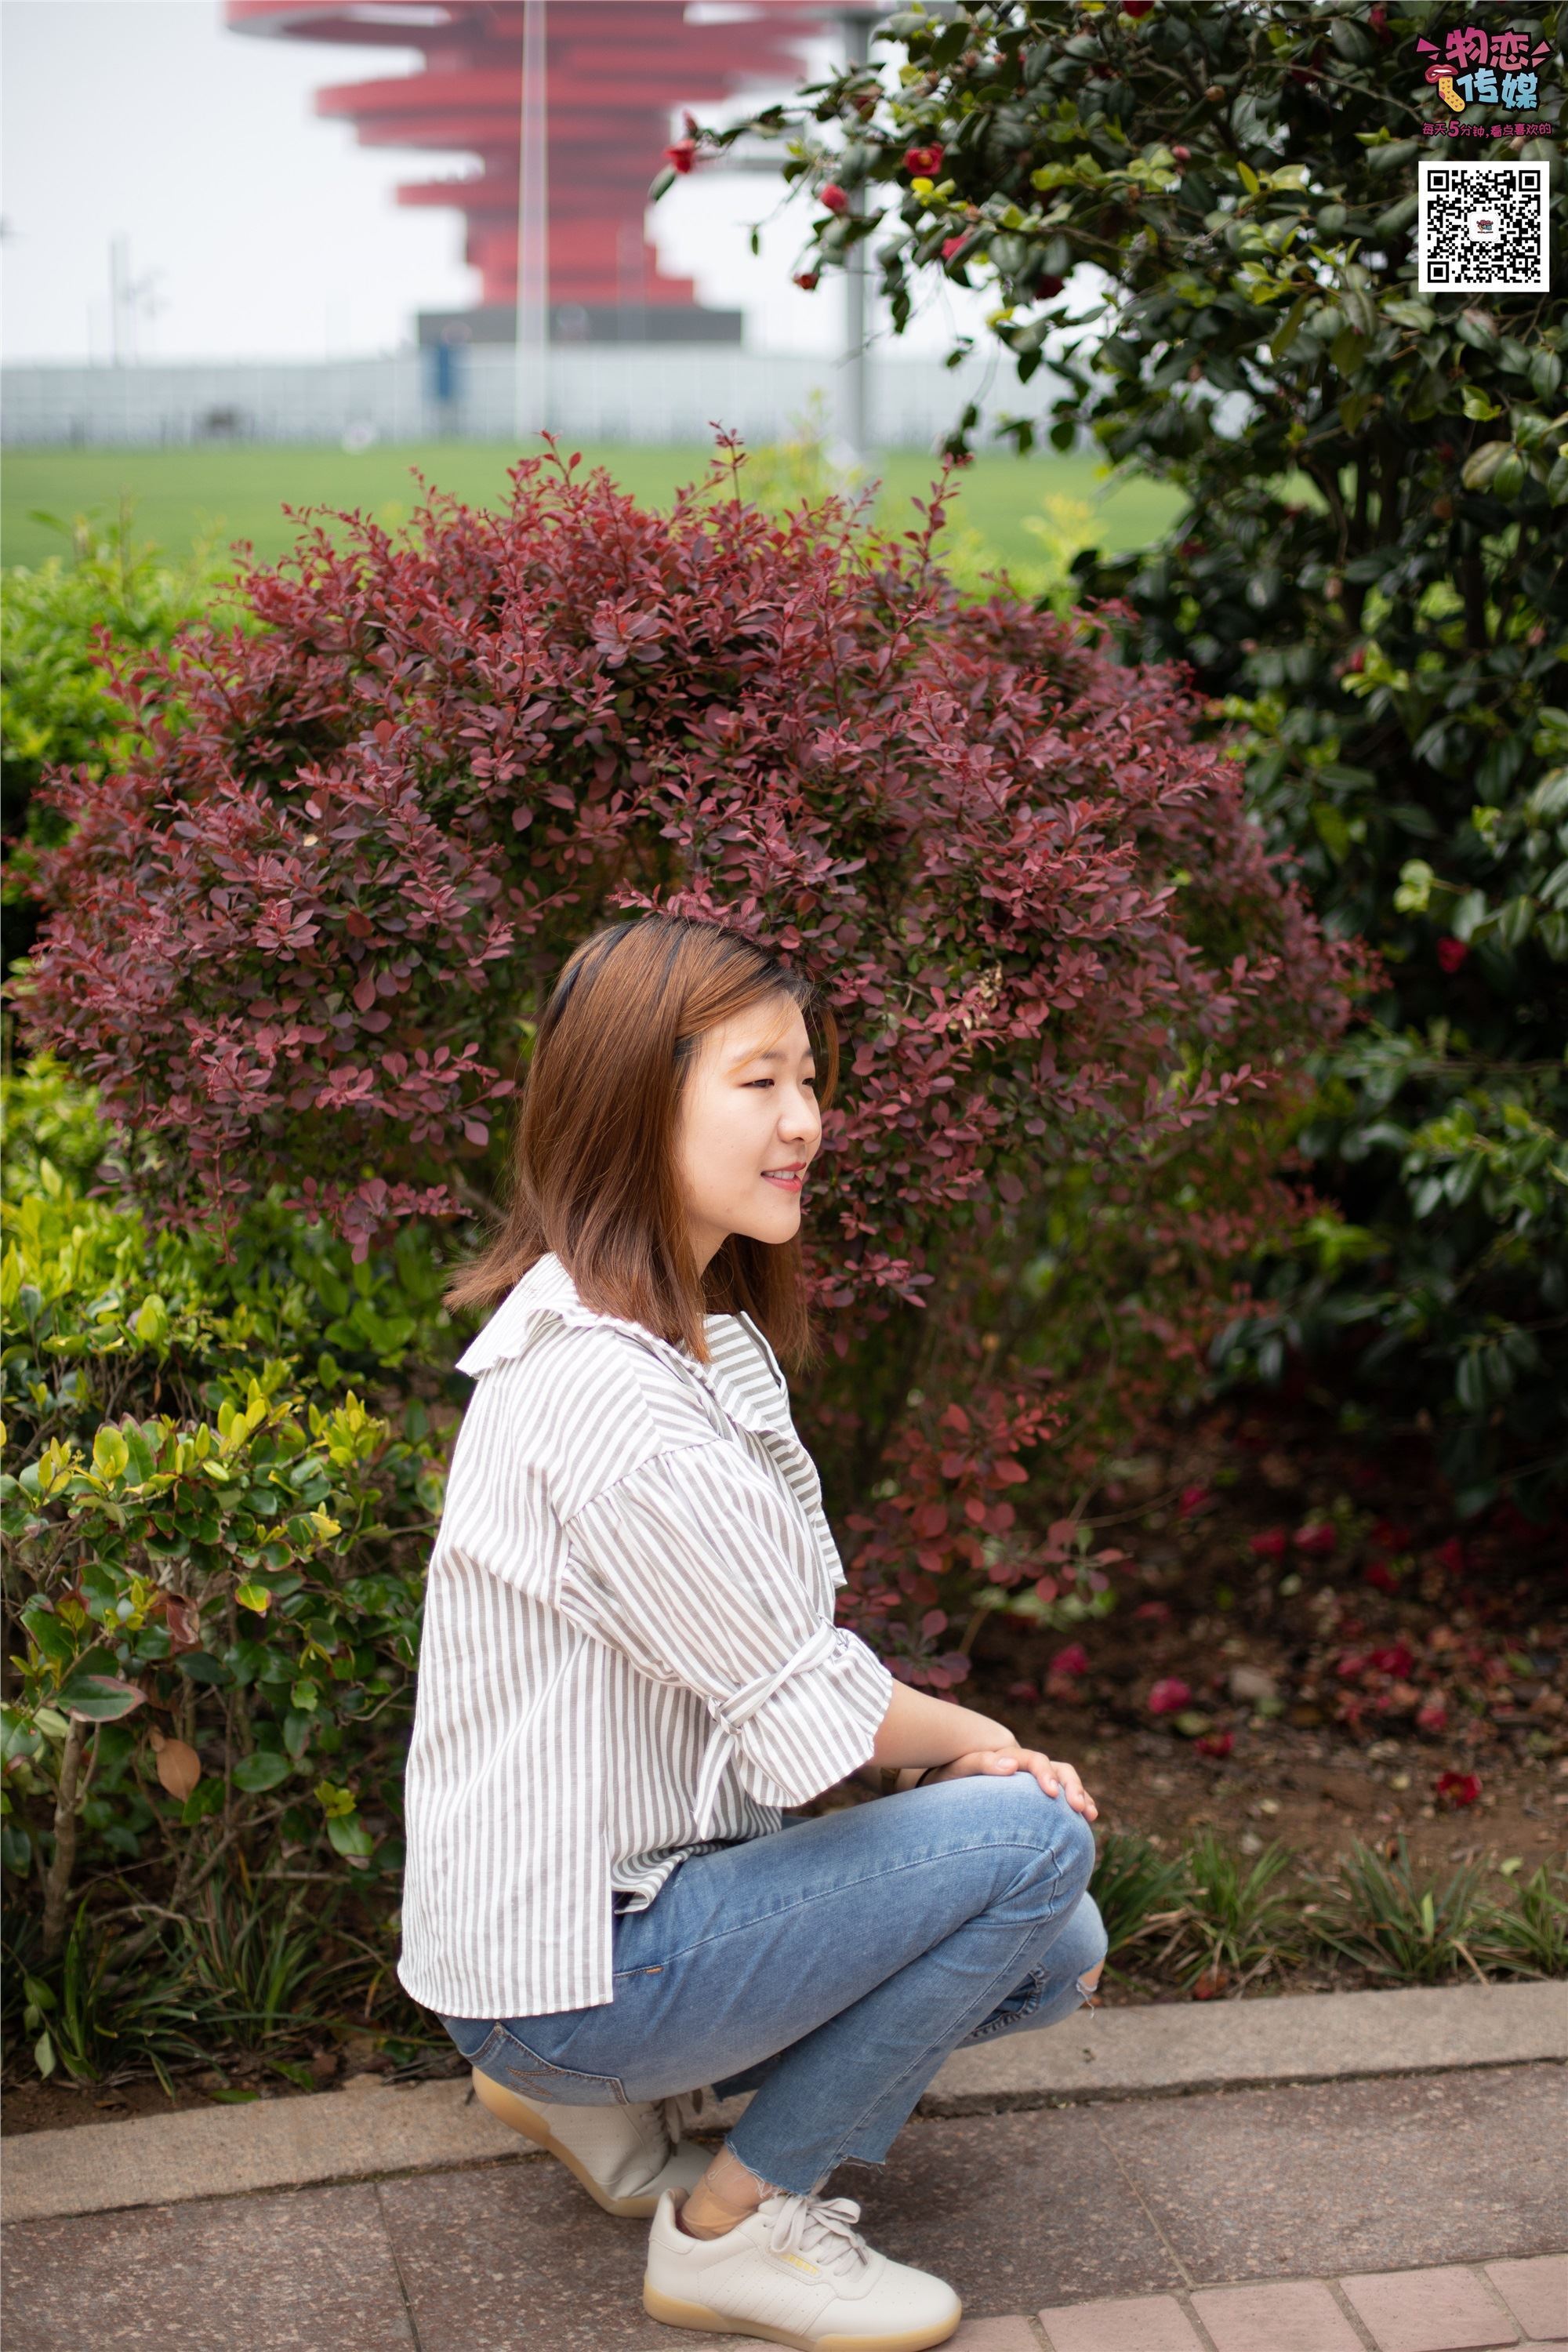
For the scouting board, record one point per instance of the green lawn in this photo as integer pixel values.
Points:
(239, 491)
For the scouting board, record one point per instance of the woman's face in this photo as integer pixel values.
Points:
(749, 1125)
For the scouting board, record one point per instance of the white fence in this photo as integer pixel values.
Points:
(619, 392)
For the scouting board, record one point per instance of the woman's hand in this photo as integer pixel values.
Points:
(1056, 1779)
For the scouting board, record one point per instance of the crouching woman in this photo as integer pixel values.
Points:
(629, 1676)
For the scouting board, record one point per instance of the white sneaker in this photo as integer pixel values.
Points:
(795, 2272)
(626, 2158)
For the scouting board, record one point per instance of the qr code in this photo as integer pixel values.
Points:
(1481, 228)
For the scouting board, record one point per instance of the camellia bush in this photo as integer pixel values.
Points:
(213, 1565)
(1368, 588)
(301, 940)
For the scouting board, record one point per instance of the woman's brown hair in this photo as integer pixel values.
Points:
(593, 1173)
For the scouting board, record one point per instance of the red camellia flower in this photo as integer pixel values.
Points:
(1073, 1660)
(807, 279)
(1432, 1717)
(1456, 1788)
(1191, 1499)
(924, 162)
(1320, 1538)
(1393, 1659)
(1214, 1743)
(1048, 287)
(834, 197)
(1451, 953)
(950, 247)
(683, 155)
(1136, 7)
(1183, 154)
(1270, 1544)
(1169, 1696)
(1378, 1574)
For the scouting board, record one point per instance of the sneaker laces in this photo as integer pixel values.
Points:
(667, 2110)
(820, 2227)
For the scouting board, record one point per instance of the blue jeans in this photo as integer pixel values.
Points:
(829, 1968)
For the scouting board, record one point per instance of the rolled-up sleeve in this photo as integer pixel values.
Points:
(697, 1569)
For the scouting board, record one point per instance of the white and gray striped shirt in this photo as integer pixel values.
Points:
(628, 1652)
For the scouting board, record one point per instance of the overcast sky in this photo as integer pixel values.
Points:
(258, 229)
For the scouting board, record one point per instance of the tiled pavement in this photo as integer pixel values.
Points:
(1457, 2308)
(1411, 2214)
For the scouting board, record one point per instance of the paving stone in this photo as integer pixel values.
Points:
(516, 2254)
(1018, 2210)
(1144, 2322)
(1447, 2310)
(1298, 2317)
(1326, 2177)
(994, 2336)
(310, 2271)
(1536, 2292)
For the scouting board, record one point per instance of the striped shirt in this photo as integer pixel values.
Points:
(628, 1652)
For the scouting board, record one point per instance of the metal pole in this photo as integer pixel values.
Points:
(532, 232)
(855, 410)
(117, 274)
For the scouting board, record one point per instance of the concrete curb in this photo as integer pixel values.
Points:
(1172, 2049)
(1165, 2050)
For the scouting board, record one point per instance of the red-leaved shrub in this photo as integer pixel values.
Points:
(301, 937)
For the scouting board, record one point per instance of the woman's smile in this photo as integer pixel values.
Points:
(791, 1178)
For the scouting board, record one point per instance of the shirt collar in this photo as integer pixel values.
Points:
(547, 1290)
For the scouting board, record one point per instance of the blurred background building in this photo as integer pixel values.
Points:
(615, 74)
(550, 118)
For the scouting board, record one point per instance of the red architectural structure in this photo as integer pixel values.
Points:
(615, 70)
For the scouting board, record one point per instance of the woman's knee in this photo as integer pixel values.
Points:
(1017, 1803)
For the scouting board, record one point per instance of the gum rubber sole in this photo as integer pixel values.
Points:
(673, 2314)
(508, 2108)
